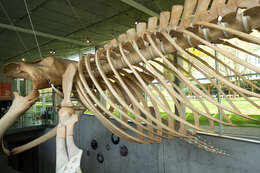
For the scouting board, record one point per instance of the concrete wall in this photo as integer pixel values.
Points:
(174, 156)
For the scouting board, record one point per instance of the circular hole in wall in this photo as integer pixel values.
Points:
(115, 139)
(100, 158)
(88, 152)
(94, 144)
(123, 151)
(107, 147)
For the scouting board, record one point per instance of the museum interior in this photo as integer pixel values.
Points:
(124, 86)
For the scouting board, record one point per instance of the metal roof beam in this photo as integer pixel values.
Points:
(140, 7)
(42, 34)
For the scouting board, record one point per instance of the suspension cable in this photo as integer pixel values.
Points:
(35, 37)
(17, 33)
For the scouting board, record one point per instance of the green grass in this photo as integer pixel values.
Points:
(240, 103)
(237, 120)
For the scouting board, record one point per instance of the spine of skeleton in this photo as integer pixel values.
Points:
(124, 70)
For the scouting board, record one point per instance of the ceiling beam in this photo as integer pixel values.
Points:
(42, 34)
(140, 7)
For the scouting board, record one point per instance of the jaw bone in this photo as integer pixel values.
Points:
(19, 106)
(42, 73)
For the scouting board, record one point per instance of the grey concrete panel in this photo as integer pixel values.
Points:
(87, 130)
(175, 156)
(184, 158)
(140, 157)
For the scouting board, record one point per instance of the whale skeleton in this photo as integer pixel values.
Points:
(124, 70)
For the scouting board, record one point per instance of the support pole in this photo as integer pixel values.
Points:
(180, 85)
(41, 34)
(218, 97)
(53, 106)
